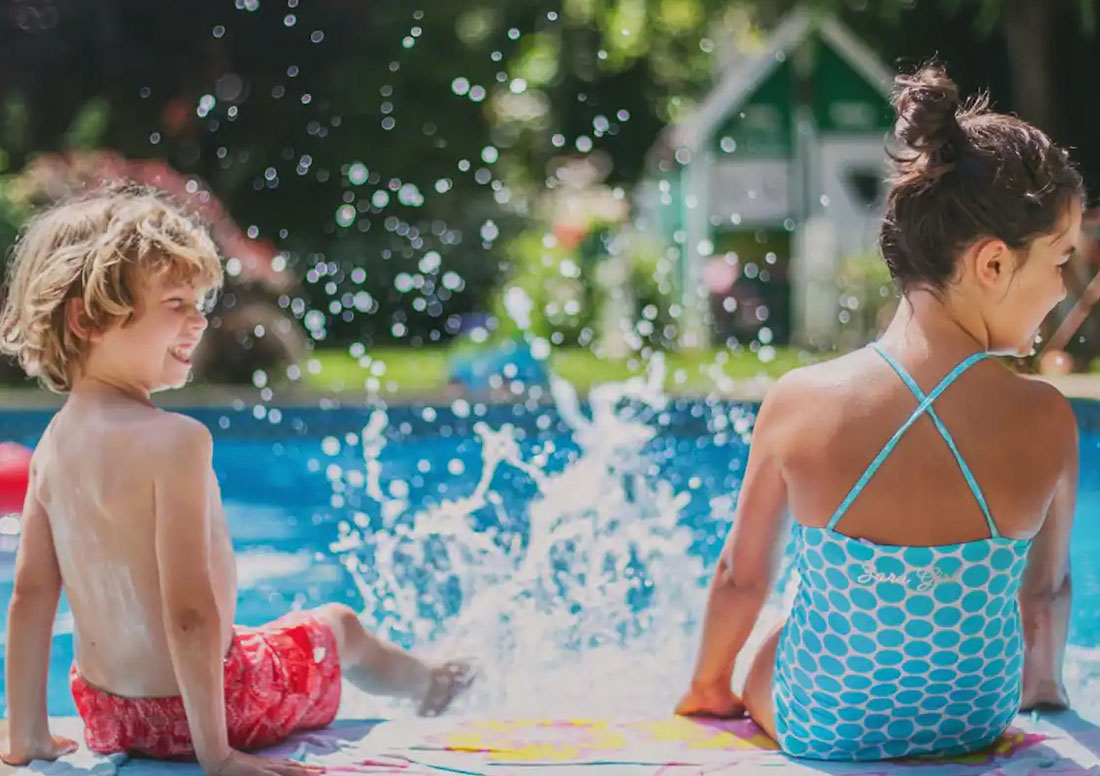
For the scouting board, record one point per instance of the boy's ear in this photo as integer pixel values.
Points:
(77, 320)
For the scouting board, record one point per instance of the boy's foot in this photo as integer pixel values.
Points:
(448, 681)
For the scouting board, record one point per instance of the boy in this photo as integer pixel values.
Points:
(106, 303)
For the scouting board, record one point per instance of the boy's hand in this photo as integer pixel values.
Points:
(49, 749)
(710, 702)
(242, 764)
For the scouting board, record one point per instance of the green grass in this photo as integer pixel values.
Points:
(424, 370)
(416, 370)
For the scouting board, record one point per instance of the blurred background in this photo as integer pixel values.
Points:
(451, 195)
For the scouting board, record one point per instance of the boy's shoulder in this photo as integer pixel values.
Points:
(162, 438)
(175, 433)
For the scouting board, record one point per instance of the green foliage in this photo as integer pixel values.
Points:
(89, 125)
(867, 294)
(12, 216)
(565, 291)
(463, 105)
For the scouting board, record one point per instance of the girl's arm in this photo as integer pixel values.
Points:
(746, 567)
(1045, 592)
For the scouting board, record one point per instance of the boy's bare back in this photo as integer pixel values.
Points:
(97, 469)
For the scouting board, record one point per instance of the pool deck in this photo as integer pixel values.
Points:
(1077, 386)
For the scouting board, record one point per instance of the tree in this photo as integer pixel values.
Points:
(389, 149)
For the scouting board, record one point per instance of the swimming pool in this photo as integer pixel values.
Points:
(574, 569)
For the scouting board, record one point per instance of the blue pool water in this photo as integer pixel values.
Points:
(277, 474)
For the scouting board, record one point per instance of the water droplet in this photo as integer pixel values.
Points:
(345, 215)
(399, 489)
(410, 196)
(489, 231)
(330, 446)
(460, 86)
(358, 173)
(540, 348)
(314, 319)
(477, 93)
(218, 31)
(290, 20)
(316, 36)
(431, 262)
(206, 104)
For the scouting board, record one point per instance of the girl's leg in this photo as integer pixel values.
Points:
(757, 693)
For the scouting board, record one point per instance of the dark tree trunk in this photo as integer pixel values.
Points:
(1027, 28)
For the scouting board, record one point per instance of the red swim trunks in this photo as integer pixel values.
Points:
(279, 678)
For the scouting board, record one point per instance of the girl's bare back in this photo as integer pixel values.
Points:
(841, 413)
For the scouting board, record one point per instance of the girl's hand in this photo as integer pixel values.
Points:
(715, 701)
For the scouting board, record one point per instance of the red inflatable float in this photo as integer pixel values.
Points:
(15, 470)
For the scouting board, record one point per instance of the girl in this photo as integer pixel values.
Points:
(932, 489)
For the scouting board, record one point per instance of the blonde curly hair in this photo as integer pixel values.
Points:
(100, 248)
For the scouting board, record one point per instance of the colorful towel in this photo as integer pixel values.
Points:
(1053, 745)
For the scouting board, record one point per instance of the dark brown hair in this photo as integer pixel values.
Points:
(962, 172)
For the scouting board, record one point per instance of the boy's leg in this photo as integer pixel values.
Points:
(377, 666)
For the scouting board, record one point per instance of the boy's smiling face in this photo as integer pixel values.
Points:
(152, 351)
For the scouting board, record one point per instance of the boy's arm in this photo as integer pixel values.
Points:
(1045, 593)
(182, 500)
(192, 623)
(30, 630)
(746, 569)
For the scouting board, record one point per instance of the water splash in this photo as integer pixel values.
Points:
(599, 588)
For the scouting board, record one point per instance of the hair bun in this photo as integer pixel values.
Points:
(927, 104)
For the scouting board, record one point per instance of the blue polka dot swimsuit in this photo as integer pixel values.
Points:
(896, 651)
